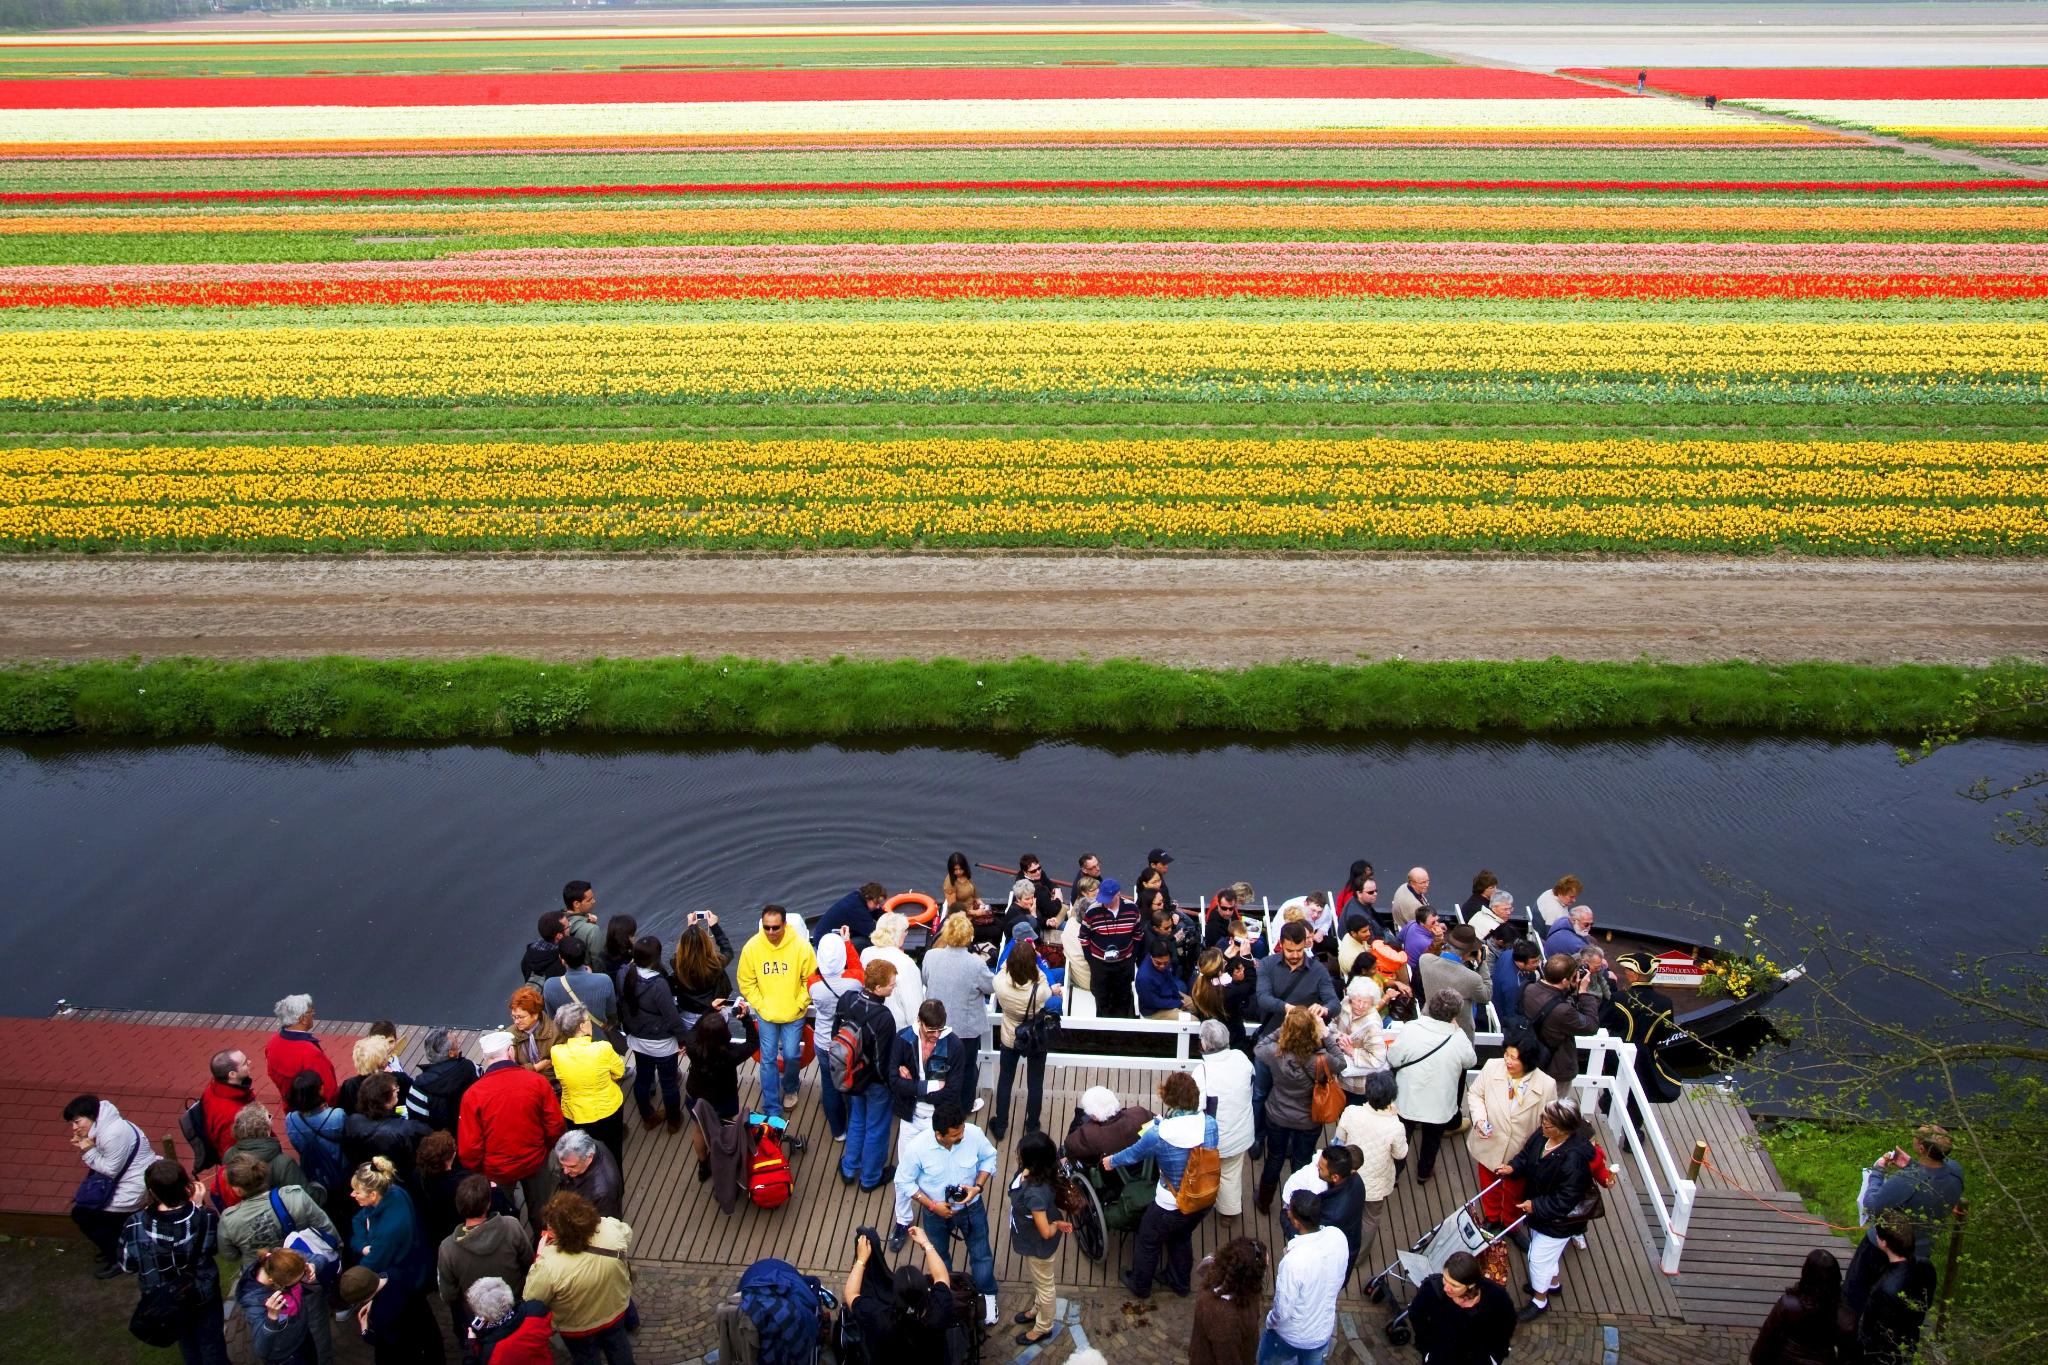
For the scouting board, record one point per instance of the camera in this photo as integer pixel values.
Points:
(958, 1194)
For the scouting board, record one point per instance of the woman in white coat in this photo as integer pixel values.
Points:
(1505, 1105)
(886, 945)
(1225, 1074)
(1428, 1060)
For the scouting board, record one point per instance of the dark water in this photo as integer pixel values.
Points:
(403, 883)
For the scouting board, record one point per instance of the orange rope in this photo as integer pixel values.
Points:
(1782, 1213)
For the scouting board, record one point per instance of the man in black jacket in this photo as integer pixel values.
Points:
(1560, 1008)
(436, 1095)
(1643, 1015)
(1461, 1317)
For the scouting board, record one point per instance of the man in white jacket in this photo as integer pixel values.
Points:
(112, 1147)
(1305, 1288)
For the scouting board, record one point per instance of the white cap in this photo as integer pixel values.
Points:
(494, 1042)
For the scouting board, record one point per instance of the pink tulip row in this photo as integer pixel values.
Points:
(1522, 258)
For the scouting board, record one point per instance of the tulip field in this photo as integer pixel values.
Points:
(1194, 282)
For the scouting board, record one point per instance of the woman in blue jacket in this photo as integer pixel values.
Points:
(386, 1234)
(1166, 1231)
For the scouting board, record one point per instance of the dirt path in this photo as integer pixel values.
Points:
(1177, 610)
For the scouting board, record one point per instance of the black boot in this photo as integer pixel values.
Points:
(1264, 1202)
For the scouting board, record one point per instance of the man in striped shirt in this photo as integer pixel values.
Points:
(1110, 937)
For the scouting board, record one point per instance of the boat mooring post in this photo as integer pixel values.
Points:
(1699, 1159)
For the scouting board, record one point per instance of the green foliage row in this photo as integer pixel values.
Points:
(495, 697)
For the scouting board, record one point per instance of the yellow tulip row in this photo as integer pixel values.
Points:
(1851, 496)
(921, 358)
(1859, 527)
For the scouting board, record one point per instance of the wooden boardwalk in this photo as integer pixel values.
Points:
(1747, 1237)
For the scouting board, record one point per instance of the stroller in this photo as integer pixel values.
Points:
(1457, 1232)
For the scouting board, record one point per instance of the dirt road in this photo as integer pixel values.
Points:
(1185, 610)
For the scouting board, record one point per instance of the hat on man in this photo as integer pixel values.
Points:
(1107, 893)
(496, 1041)
(1025, 932)
(1639, 962)
(1158, 855)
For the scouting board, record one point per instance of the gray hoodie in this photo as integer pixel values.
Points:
(500, 1246)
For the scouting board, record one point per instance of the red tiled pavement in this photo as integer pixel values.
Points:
(150, 1071)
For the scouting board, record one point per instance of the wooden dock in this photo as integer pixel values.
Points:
(1746, 1240)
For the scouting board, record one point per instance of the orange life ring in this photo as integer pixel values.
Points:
(925, 917)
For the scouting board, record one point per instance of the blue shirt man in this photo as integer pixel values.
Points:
(948, 1178)
(1569, 937)
(1159, 990)
(1511, 973)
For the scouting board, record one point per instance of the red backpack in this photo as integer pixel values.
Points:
(768, 1178)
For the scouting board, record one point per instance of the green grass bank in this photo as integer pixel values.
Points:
(496, 698)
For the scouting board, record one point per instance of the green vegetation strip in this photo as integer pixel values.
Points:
(492, 698)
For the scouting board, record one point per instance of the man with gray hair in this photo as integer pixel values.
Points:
(588, 1168)
(508, 1124)
(436, 1095)
(501, 1320)
(293, 1048)
(1225, 1076)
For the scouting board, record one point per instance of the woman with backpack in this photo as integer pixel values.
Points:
(1022, 992)
(1035, 1231)
(838, 976)
(654, 1032)
(1168, 1230)
(316, 1128)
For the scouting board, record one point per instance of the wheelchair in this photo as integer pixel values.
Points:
(1094, 1201)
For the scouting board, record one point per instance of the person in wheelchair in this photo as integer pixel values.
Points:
(1103, 1126)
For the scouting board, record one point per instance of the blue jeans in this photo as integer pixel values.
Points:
(645, 1070)
(834, 1105)
(868, 1119)
(1275, 1350)
(973, 1222)
(1286, 1148)
(779, 1040)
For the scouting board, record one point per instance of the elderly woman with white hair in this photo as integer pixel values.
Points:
(1362, 1035)
(591, 1171)
(589, 1070)
(294, 1048)
(1225, 1076)
(886, 945)
(523, 1329)
(1103, 1125)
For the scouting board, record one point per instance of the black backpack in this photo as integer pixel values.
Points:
(1525, 1035)
(192, 1123)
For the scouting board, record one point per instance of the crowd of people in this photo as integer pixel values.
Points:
(1336, 1055)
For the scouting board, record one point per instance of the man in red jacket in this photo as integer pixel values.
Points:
(508, 1123)
(293, 1049)
(233, 1085)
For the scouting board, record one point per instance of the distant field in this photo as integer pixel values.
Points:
(1198, 289)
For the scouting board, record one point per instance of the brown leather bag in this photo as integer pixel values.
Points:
(1327, 1104)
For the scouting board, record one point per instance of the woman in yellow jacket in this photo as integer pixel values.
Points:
(589, 1070)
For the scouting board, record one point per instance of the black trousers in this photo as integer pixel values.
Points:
(1425, 1146)
(1006, 1080)
(1168, 1235)
(610, 1133)
(102, 1229)
(1111, 983)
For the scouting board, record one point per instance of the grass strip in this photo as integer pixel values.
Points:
(496, 697)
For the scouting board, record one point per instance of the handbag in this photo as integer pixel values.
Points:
(1590, 1209)
(1327, 1104)
(1038, 1032)
(97, 1190)
(166, 1312)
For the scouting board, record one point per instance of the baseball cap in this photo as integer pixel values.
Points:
(1107, 893)
(1158, 855)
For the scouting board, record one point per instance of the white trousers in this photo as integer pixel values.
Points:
(1230, 1187)
(1545, 1254)
(910, 1134)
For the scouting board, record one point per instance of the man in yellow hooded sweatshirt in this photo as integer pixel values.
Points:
(775, 967)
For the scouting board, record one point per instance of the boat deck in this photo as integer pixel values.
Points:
(1748, 1234)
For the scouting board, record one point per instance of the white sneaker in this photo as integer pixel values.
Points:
(840, 1138)
(1580, 1241)
(989, 1307)
(979, 1105)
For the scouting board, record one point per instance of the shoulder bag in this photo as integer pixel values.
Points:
(613, 1035)
(1327, 1104)
(97, 1191)
(1038, 1032)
